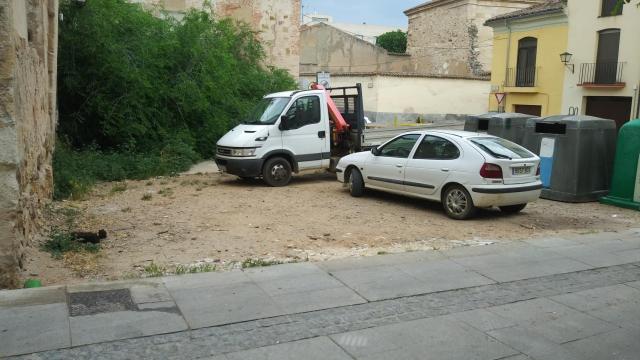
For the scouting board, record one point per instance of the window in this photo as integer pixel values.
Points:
(304, 111)
(611, 8)
(607, 62)
(526, 68)
(501, 148)
(436, 148)
(400, 147)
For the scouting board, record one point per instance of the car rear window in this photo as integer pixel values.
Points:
(501, 148)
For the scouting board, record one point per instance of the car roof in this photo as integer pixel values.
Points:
(456, 133)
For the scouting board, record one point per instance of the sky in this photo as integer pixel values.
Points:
(377, 12)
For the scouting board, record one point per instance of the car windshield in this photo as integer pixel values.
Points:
(267, 111)
(501, 148)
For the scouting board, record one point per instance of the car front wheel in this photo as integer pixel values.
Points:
(355, 183)
(512, 209)
(457, 203)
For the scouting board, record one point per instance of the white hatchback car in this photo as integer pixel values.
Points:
(463, 170)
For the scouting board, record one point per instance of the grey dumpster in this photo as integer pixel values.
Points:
(509, 126)
(478, 123)
(576, 154)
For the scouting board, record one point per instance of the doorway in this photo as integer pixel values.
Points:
(535, 110)
(610, 107)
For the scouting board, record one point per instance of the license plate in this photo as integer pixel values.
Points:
(524, 170)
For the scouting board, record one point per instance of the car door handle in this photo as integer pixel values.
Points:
(399, 165)
(322, 134)
(445, 169)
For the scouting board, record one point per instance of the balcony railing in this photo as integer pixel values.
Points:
(602, 73)
(522, 77)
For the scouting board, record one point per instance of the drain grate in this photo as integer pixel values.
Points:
(99, 302)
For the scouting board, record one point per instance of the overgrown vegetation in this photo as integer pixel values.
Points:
(251, 263)
(143, 96)
(155, 270)
(393, 41)
(61, 239)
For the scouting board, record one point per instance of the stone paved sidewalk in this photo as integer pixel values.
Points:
(572, 298)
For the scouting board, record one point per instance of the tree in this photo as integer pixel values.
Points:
(393, 41)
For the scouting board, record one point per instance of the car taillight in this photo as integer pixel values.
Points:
(538, 170)
(491, 171)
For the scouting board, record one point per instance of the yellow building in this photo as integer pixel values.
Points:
(527, 73)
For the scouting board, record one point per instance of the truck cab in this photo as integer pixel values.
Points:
(292, 131)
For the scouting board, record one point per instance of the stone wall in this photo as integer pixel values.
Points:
(326, 48)
(448, 37)
(28, 52)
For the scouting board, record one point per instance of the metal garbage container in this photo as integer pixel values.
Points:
(576, 154)
(478, 123)
(625, 185)
(509, 126)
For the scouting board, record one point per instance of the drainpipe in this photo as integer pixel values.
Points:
(506, 69)
(637, 96)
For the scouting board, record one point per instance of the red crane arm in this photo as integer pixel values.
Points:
(339, 122)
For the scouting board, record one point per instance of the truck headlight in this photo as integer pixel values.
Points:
(243, 152)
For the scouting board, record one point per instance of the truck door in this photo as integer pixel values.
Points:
(306, 135)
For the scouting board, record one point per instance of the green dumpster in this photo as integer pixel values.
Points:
(625, 185)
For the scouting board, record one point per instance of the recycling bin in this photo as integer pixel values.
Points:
(625, 184)
(509, 126)
(576, 153)
(478, 123)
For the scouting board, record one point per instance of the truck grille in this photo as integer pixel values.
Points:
(223, 151)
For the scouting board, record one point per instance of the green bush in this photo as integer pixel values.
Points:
(141, 95)
(393, 41)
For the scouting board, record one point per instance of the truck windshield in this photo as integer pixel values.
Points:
(267, 111)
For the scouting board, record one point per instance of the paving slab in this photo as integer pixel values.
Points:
(602, 255)
(259, 293)
(435, 338)
(551, 242)
(380, 260)
(635, 284)
(533, 344)
(225, 304)
(33, 328)
(622, 344)
(444, 275)
(111, 326)
(554, 321)
(599, 298)
(484, 320)
(320, 348)
(34, 296)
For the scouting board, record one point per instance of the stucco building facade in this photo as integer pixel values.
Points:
(605, 57)
(28, 53)
(526, 59)
(448, 37)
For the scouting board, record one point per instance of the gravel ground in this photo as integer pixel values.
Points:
(221, 220)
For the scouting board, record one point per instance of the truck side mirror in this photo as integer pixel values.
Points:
(283, 123)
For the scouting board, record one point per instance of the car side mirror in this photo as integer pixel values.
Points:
(283, 123)
(375, 151)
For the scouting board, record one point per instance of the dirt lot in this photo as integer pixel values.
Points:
(222, 220)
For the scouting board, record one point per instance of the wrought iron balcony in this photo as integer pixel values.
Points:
(602, 74)
(522, 77)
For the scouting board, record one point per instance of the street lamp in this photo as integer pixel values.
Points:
(565, 57)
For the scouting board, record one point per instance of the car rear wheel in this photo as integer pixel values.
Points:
(277, 172)
(457, 203)
(355, 183)
(512, 209)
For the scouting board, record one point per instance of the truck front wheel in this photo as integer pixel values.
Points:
(277, 172)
